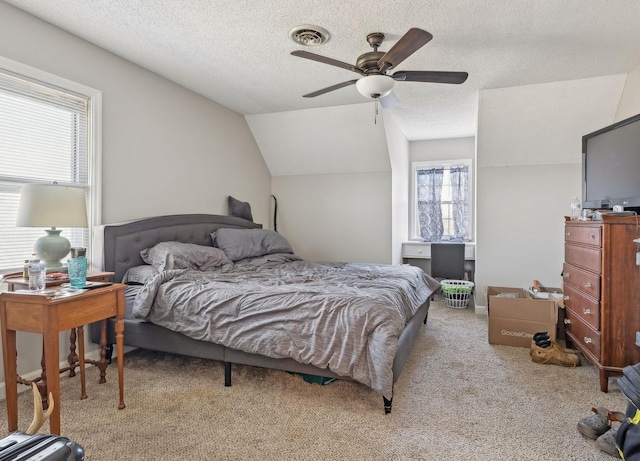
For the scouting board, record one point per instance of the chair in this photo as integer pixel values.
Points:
(447, 261)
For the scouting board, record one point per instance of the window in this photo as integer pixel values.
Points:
(48, 132)
(442, 201)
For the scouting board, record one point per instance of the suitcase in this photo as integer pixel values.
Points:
(22, 447)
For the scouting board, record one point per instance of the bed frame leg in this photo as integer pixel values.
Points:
(387, 405)
(227, 374)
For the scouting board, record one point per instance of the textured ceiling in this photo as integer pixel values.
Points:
(237, 52)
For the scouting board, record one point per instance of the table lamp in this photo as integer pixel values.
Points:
(52, 205)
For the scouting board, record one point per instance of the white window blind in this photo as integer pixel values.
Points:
(44, 137)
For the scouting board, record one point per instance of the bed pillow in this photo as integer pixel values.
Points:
(249, 243)
(178, 255)
(139, 275)
(240, 209)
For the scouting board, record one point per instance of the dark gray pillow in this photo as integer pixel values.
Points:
(240, 209)
(178, 255)
(249, 243)
(139, 274)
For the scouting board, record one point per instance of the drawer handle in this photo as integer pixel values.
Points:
(591, 236)
(566, 297)
(587, 284)
(586, 311)
(568, 234)
(587, 340)
(567, 321)
(565, 275)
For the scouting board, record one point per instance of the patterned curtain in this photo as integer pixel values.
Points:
(460, 202)
(429, 208)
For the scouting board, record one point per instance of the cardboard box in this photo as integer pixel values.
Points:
(514, 315)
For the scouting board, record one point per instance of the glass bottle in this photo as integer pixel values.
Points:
(36, 274)
(77, 267)
(576, 209)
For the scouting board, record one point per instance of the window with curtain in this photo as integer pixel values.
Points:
(45, 137)
(442, 201)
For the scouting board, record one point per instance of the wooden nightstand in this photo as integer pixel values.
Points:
(49, 315)
(20, 283)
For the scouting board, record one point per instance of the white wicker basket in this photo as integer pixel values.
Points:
(457, 293)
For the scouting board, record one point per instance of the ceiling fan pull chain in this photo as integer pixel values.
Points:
(375, 117)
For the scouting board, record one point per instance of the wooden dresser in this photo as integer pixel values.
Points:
(601, 284)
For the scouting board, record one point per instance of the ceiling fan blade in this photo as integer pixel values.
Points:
(325, 60)
(329, 88)
(408, 44)
(430, 76)
(389, 101)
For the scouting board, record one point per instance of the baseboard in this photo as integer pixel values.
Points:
(93, 355)
(480, 310)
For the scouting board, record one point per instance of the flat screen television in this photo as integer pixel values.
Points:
(611, 166)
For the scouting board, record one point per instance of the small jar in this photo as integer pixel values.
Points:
(25, 270)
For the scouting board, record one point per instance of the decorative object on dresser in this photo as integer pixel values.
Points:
(601, 284)
(52, 205)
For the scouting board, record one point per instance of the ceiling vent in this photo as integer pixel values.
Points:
(308, 35)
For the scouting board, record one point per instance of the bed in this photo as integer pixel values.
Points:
(273, 310)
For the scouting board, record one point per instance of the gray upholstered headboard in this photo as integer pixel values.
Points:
(122, 243)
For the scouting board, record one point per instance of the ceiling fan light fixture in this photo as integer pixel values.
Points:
(308, 35)
(375, 86)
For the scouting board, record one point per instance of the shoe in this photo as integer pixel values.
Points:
(595, 425)
(554, 354)
(563, 349)
(540, 335)
(607, 441)
(543, 339)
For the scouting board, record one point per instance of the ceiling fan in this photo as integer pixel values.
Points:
(375, 66)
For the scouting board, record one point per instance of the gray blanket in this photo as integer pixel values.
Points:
(344, 317)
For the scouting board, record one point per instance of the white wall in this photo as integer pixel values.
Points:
(529, 163)
(165, 149)
(326, 140)
(630, 101)
(400, 185)
(443, 149)
(332, 179)
(336, 217)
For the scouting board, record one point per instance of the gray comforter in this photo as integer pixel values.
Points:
(345, 317)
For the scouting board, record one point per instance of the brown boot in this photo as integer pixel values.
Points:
(554, 355)
(562, 349)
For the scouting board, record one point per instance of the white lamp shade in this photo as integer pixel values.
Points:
(51, 205)
(375, 86)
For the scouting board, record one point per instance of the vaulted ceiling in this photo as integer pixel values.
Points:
(237, 53)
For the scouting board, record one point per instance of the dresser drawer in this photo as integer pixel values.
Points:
(586, 308)
(585, 281)
(582, 234)
(585, 257)
(582, 334)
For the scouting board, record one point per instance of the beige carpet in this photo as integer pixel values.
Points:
(458, 399)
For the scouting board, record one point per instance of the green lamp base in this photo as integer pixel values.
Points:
(51, 248)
